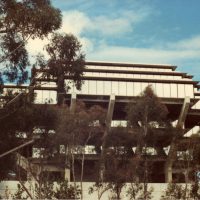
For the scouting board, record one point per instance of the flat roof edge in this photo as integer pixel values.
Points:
(125, 64)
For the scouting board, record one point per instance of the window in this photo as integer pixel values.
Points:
(137, 88)
(181, 91)
(166, 89)
(92, 87)
(107, 87)
(115, 87)
(159, 89)
(122, 88)
(100, 87)
(129, 89)
(173, 90)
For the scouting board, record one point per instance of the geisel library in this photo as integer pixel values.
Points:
(112, 85)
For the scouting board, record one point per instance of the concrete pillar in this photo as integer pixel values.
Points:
(110, 111)
(67, 174)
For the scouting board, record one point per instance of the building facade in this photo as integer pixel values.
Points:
(113, 86)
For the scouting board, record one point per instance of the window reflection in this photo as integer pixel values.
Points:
(84, 89)
(181, 91)
(143, 86)
(189, 91)
(107, 88)
(137, 88)
(100, 87)
(173, 90)
(159, 89)
(45, 96)
(122, 88)
(92, 87)
(130, 89)
(115, 87)
(166, 89)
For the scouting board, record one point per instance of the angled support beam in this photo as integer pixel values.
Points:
(110, 111)
(108, 121)
(173, 147)
(183, 113)
(17, 148)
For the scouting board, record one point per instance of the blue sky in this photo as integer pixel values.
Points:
(137, 31)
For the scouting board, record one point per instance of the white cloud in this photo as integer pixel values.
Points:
(35, 46)
(75, 22)
(141, 55)
(187, 60)
(110, 27)
(87, 45)
(80, 24)
(189, 43)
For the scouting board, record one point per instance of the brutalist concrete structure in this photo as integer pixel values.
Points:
(113, 85)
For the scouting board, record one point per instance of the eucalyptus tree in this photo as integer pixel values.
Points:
(19, 22)
(75, 130)
(66, 62)
(148, 122)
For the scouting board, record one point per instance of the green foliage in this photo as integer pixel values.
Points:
(100, 188)
(148, 100)
(21, 20)
(195, 190)
(44, 190)
(19, 194)
(14, 125)
(67, 191)
(66, 62)
(175, 191)
(135, 192)
(50, 190)
(75, 128)
(148, 120)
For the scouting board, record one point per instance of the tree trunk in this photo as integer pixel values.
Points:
(170, 160)
(102, 161)
(67, 163)
(60, 88)
(82, 164)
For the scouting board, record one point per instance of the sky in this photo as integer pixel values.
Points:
(135, 31)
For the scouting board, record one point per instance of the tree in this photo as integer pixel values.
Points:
(66, 62)
(147, 118)
(20, 21)
(75, 129)
(187, 167)
(49, 190)
(18, 127)
(118, 167)
(147, 121)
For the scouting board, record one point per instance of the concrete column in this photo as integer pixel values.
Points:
(67, 174)
(110, 111)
